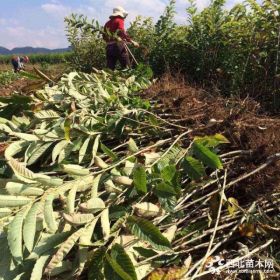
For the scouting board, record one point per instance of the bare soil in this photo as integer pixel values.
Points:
(239, 120)
(15, 86)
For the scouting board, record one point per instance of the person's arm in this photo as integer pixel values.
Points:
(121, 31)
(19, 62)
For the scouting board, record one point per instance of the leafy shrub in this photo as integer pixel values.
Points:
(7, 77)
(87, 44)
(235, 50)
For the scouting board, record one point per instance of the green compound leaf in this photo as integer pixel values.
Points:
(147, 231)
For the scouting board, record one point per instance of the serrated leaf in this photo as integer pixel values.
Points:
(132, 146)
(170, 233)
(194, 168)
(85, 238)
(21, 189)
(15, 148)
(78, 219)
(83, 184)
(146, 210)
(5, 128)
(118, 224)
(37, 272)
(232, 206)
(83, 150)
(146, 231)
(4, 212)
(164, 190)
(62, 267)
(105, 224)
(96, 264)
(15, 236)
(207, 156)
(58, 148)
(151, 157)
(13, 201)
(48, 180)
(21, 172)
(108, 152)
(38, 153)
(95, 148)
(174, 273)
(100, 162)
(63, 250)
(29, 226)
(95, 185)
(129, 167)
(46, 115)
(247, 229)
(120, 263)
(25, 136)
(75, 169)
(123, 180)
(168, 173)
(221, 138)
(67, 129)
(140, 179)
(113, 270)
(212, 141)
(49, 214)
(48, 242)
(93, 205)
(71, 200)
(83, 258)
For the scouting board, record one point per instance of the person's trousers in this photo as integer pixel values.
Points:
(117, 52)
(15, 65)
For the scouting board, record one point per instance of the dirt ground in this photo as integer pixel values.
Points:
(20, 85)
(239, 120)
(15, 86)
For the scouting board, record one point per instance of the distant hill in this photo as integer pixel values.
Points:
(4, 51)
(31, 50)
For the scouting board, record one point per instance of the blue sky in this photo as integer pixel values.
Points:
(39, 23)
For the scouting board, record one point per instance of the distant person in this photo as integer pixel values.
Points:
(116, 47)
(18, 62)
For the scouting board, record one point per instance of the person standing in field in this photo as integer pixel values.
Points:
(18, 62)
(116, 49)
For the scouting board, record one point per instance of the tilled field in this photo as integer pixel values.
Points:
(256, 135)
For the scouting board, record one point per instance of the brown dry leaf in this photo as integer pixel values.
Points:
(247, 229)
(146, 210)
(73, 106)
(232, 206)
(105, 224)
(3, 147)
(171, 273)
(170, 233)
(214, 205)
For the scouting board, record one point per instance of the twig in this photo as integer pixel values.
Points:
(222, 241)
(169, 149)
(163, 120)
(230, 263)
(215, 228)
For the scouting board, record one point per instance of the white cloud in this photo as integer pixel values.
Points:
(22, 30)
(3, 21)
(56, 9)
(146, 8)
(19, 36)
(60, 11)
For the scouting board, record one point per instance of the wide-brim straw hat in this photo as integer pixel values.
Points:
(119, 11)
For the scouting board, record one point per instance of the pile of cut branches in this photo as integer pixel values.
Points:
(95, 184)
